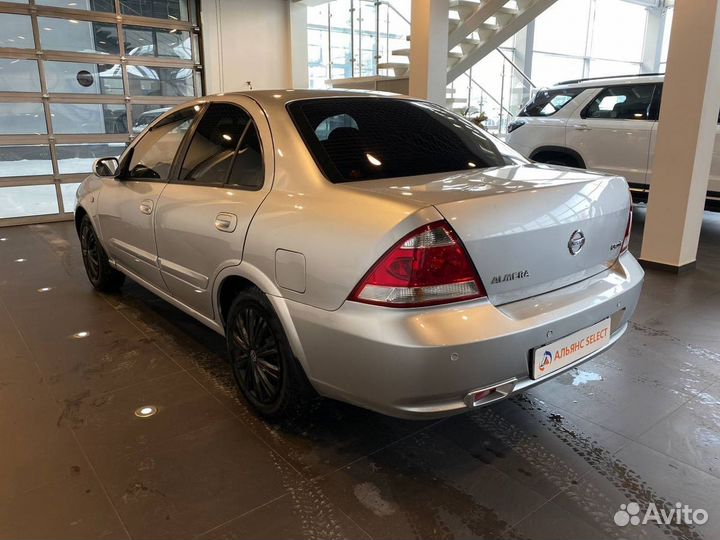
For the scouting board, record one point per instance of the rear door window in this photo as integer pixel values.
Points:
(368, 138)
(213, 144)
(548, 102)
(628, 102)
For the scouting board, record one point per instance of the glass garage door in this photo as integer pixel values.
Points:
(78, 79)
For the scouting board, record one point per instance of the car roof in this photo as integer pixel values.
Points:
(283, 96)
(611, 81)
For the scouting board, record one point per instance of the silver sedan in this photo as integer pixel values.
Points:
(370, 248)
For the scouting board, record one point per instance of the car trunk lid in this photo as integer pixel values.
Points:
(529, 229)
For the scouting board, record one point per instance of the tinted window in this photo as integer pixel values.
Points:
(548, 102)
(386, 138)
(153, 154)
(247, 169)
(631, 102)
(213, 145)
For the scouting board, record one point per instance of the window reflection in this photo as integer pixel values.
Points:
(107, 6)
(78, 36)
(16, 31)
(68, 192)
(19, 75)
(22, 119)
(78, 158)
(159, 42)
(83, 78)
(160, 9)
(88, 118)
(144, 115)
(23, 201)
(160, 81)
(20, 160)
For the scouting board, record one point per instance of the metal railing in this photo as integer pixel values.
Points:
(513, 90)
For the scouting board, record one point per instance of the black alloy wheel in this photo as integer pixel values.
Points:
(90, 252)
(262, 361)
(255, 355)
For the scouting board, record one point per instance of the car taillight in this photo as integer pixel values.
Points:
(628, 230)
(429, 266)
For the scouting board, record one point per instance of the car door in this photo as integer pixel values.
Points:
(205, 211)
(127, 204)
(614, 130)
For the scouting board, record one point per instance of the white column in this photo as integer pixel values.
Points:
(429, 50)
(652, 43)
(686, 136)
(298, 45)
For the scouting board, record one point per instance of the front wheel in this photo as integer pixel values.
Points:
(264, 367)
(97, 267)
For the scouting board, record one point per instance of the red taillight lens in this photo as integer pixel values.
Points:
(628, 230)
(428, 266)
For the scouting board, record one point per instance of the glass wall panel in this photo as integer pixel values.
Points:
(23, 201)
(160, 81)
(82, 78)
(548, 69)
(78, 36)
(68, 32)
(159, 42)
(19, 75)
(78, 158)
(16, 31)
(666, 38)
(161, 9)
(618, 31)
(68, 192)
(17, 160)
(563, 28)
(107, 6)
(22, 119)
(605, 68)
(341, 55)
(81, 118)
(143, 115)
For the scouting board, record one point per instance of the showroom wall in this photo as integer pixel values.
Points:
(246, 40)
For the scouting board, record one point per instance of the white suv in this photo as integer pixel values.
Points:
(607, 124)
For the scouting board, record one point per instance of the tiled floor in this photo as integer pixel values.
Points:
(641, 423)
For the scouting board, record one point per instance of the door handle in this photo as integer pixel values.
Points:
(582, 127)
(226, 222)
(146, 206)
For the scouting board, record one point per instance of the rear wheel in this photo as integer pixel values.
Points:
(264, 367)
(102, 276)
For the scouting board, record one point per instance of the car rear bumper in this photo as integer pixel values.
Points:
(420, 363)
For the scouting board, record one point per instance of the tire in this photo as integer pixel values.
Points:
(265, 369)
(102, 276)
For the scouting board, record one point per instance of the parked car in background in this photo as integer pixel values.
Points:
(418, 267)
(608, 124)
(145, 119)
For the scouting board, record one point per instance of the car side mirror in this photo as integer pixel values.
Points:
(106, 167)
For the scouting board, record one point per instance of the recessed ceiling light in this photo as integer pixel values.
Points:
(20, 260)
(80, 335)
(44, 289)
(145, 411)
(3, 239)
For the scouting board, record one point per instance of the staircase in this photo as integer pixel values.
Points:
(475, 29)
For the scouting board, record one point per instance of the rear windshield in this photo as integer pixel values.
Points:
(548, 102)
(355, 139)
